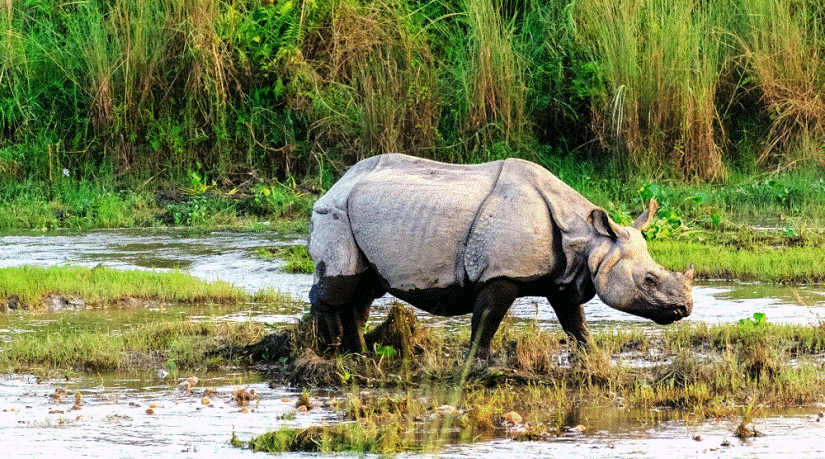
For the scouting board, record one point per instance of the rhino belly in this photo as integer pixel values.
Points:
(448, 301)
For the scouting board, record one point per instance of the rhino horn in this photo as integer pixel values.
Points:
(644, 220)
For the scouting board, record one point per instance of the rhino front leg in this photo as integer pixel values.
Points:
(492, 303)
(571, 318)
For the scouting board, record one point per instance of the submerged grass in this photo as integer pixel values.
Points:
(130, 340)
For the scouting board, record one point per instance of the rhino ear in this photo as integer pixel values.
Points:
(599, 220)
(644, 220)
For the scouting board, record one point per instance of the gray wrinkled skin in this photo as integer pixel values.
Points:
(459, 239)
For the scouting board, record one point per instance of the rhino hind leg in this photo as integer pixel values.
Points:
(340, 309)
(492, 303)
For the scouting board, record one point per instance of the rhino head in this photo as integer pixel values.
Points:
(626, 277)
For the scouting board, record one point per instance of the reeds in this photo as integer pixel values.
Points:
(302, 89)
(660, 63)
(783, 48)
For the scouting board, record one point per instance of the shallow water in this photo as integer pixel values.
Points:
(108, 426)
(227, 255)
(114, 420)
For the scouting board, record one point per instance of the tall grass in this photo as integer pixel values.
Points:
(783, 44)
(494, 78)
(153, 89)
(378, 94)
(660, 63)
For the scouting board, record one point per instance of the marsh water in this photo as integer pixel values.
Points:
(144, 414)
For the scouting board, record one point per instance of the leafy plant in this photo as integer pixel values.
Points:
(385, 351)
(759, 320)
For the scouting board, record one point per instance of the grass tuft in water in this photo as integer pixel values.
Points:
(296, 258)
(30, 287)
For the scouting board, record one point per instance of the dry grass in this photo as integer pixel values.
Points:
(783, 48)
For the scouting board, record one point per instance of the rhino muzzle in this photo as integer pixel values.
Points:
(670, 315)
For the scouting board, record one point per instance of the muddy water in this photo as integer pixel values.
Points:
(113, 421)
(131, 416)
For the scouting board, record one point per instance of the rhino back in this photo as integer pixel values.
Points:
(411, 218)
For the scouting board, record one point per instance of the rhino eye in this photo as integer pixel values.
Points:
(651, 280)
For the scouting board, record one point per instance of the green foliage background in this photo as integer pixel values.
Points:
(292, 89)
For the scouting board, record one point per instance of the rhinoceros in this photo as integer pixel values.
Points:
(458, 239)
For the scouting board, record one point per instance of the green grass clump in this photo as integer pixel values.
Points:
(765, 263)
(125, 340)
(102, 286)
(296, 258)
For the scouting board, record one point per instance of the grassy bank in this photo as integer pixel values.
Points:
(31, 287)
(81, 204)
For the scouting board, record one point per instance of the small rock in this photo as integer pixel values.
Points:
(697, 438)
(446, 410)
